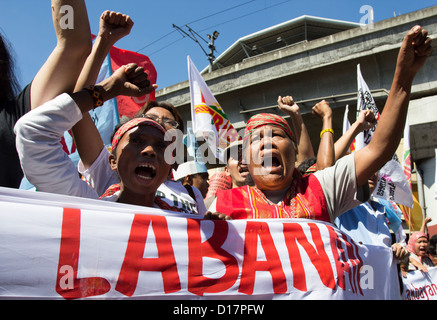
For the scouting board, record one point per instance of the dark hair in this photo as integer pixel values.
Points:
(306, 164)
(165, 105)
(8, 81)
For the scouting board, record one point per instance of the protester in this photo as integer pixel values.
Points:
(367, 224)
(418, 253)
(418, 249)
(138, 147)
(235, 168)
(193, 174)
(93, 164)
(280, 191)
(58, 74)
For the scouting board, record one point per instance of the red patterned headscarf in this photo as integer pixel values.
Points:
(264, 119)
(413, 239)
(132, 124)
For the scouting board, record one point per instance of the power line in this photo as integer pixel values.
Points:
(245, 15)
(225, 10)
(210, 27)
(194, 21)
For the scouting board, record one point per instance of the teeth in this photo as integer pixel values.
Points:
(147, 165)
(150, 175)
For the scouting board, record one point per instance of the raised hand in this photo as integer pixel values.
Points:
(114, 26)
(414, 51)
(129, 80)
(322, 109)
(288, 105)
(366, 120)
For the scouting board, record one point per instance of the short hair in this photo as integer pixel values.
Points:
(306, 164)
(165, 105)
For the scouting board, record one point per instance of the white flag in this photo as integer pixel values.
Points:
(346, 126)
(365, 101)
(209, 119)
(392, 183)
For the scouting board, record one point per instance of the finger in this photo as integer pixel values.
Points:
(288, 100)
(420, 37)
(138, 75)
(129, 68)
(425, 49)
(147, 90)
(128, 21)
(105, 15)
(413, 33)
(118, 18)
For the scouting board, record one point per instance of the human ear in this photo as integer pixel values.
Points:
(113, 162)
(227, 171)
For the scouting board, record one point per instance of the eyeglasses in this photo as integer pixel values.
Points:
(163, 121)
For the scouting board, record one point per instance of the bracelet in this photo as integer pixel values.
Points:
(96, 95)
(326, 130)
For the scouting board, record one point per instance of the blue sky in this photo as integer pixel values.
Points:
(28, 26)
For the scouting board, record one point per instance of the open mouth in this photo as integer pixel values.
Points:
(243, 169)
(272, 163)
(145, 171)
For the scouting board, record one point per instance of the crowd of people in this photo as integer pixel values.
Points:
(274, 170)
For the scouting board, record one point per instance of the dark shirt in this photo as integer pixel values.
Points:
(10, 168)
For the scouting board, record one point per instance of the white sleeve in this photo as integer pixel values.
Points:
(339, 184)
(44, 162)
(99, 175)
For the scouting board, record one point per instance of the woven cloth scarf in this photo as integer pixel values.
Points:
(264, 119)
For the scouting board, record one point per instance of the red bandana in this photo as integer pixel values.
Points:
(132, 124)
(264, 119)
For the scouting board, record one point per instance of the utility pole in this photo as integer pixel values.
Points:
(211, 45)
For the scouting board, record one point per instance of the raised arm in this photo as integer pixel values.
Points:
(44, 162)
(62, 68)
(304, 146)
(112, 27)
(414, 51)
(366, 120)
(325, 153)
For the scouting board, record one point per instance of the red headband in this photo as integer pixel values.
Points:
(132, 124)
(264, 119)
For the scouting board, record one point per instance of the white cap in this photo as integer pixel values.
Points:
(189, 168)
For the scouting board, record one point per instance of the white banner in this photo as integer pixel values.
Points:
(420, 285)
(58, 247)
